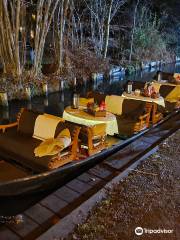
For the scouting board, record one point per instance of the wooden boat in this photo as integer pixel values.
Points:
(19, 194)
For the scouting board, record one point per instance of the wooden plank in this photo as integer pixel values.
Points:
(153, 136)
(42, 228)
(126, 155)
(149, 139)
(67, 194)
(10, 172)
(54, 203)
(24, 228)
(79, 186)
(39, 213)
(89, 179)
(85, 187)
(7, 234)
(77, 216)
(117, 160)
(100, 172)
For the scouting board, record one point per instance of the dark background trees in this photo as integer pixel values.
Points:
(96, 31)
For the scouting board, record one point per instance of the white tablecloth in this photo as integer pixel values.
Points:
(80, 117)
(159, 101)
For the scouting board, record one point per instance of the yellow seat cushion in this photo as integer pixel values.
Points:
(114, 104)
(64, 133)
(54, 146)
(174, 95)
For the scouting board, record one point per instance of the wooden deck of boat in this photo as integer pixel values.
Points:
(58, 213)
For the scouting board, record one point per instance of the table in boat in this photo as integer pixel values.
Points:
(80, 116)
(159, 101)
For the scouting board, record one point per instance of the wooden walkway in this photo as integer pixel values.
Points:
(57, 214)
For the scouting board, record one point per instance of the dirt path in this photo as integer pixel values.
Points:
(149, 198)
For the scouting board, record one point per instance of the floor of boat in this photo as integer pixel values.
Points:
(10, 170)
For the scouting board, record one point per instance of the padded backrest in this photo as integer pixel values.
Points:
(114, 104)
(45, 126)
(165, 90)
(133, 108)
(98, 97)
(27, 122)
(138, 85)
(164, 76)
(135, 85)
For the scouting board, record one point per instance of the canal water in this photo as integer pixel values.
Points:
(56, 102)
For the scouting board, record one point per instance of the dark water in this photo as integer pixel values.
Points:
(56, 102)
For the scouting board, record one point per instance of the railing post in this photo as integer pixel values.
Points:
(4, 99)
(46, 102)
(28, 93)
(62, 85)
(45, 89)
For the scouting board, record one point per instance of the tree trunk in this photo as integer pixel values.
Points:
(44, 18)
(107, 28)
(64, 7)
(10, 21)
(133, 30)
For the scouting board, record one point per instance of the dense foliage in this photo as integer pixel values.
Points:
(57, 32)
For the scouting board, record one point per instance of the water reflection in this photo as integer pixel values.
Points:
(56, 102)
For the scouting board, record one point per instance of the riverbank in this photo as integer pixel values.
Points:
(79, 64)
(28, 87)
(149, 198)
